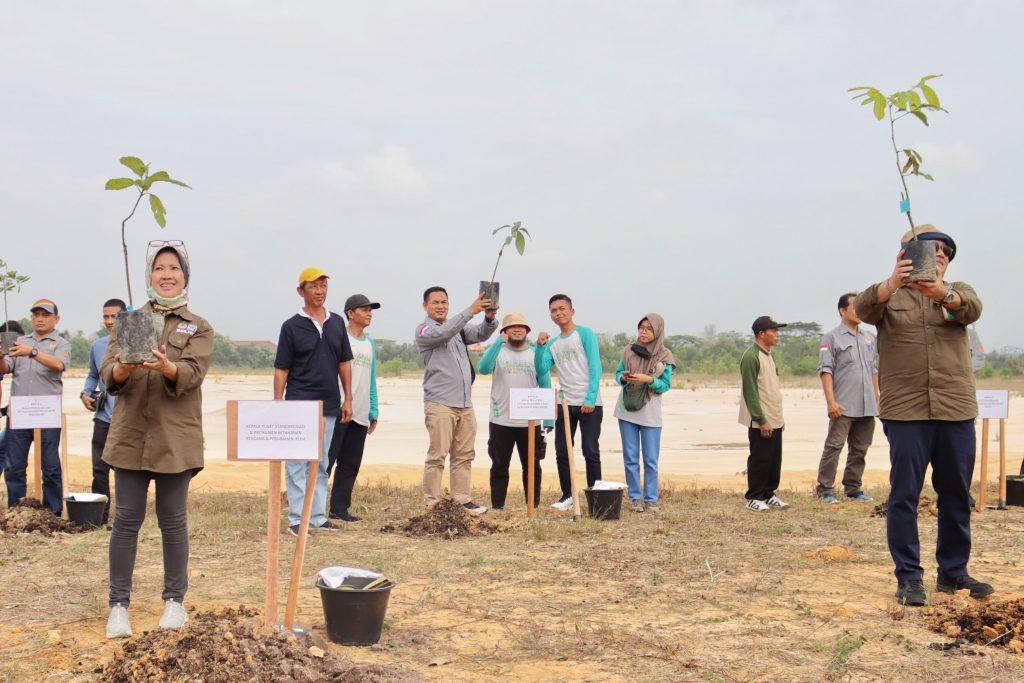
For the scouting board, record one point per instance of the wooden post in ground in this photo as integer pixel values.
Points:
(1002, 464)
(273, 542)
(531, 450)
(63, 462)
(983, 474)
(572, 461)
(37, 467)
(300, 546)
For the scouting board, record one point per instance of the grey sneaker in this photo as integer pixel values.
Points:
(829, 499)
(652, 507)
(636, 505)
(174, 615)
(118, 625)
(474, 508)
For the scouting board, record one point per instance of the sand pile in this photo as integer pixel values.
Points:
(1000, 624)
(446, 519)
(29, 516)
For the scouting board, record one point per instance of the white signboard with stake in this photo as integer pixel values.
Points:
(34, 412)
(532, 404)
(993, 404)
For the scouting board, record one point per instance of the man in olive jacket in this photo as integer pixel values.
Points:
(928, 409)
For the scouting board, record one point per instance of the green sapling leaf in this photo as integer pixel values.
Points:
(159, 212)
(135, 164)
(118, 183)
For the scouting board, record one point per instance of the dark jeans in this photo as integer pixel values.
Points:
(590, 432)
(3, 448)
(764, 464)
(346, 451)
(500, 441)
(17, 446)
(949, 448)
(172, 516)
(100, 469)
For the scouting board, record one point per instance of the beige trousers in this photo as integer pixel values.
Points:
(452, 432)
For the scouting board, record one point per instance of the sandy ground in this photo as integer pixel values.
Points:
(701, 440)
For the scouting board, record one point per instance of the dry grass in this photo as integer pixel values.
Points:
(703, 591)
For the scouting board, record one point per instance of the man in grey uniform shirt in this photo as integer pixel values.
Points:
(447, 387)
(849, 378)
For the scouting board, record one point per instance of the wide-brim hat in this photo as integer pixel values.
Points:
(930, 232)
(514, 318)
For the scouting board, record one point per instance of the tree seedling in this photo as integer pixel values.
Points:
(517, 235)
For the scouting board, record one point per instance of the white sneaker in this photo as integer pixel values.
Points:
(118, 625)
(563, 505)
(758, 506)
(778, 503)
(174, 615)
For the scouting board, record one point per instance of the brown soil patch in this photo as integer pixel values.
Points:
(925, 507)
(230, 645)
(446, 519)
(29, 516)
(832, 553)
(995, 623)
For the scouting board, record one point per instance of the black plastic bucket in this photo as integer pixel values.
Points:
(354, 616)
(85, 513)
(604, 504)
(1015, 489)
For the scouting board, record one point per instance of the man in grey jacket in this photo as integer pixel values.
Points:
(447, 385)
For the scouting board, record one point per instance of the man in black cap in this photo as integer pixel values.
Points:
(761, 413)
(350, 437)
(928, 411)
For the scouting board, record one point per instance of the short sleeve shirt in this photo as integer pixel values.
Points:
(311, 354)
(29, 377)
(850, 359)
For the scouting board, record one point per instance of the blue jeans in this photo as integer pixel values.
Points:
(16, 445)
(634, 439)
(295, 479)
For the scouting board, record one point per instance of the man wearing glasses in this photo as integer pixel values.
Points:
(928, 408)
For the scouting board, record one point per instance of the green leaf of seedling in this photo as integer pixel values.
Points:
(914, 154)
(159, 212)
(508, 240)
(173, 181)
(880, 107)
(899, 100)
(915, 100)
(497, 230)
(517, 225)
(930, 95)
(920, 116)
(520, 243)
(159, 175)
(907, 166)
(525, 231)
(118, 183)
(135, 164)
(926, 176)
(859, 87)
(928, 78)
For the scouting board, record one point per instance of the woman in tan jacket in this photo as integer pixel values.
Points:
(157, 435)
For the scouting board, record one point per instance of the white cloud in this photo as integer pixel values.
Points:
(389, 173)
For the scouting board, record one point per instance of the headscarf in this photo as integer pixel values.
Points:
(649, 359)
(162, 304)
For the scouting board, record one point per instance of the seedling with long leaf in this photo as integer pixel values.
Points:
(142, 183)
(517, 234)
(10, 281)
(916, 102)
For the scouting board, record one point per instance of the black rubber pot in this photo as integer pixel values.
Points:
(922, 253)
(491, 291)
(137, 334)
(353, 616)
(1015, 489)
(7, 340)
(604, 504)
(85, 513)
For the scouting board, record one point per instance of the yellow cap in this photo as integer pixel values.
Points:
(311, 274)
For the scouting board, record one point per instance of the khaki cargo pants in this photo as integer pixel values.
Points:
(452, 432)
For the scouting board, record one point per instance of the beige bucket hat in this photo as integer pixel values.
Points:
(514, 318)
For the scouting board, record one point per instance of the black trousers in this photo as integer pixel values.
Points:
(764, 464)
(590, 432)
(346, 451)
(949, 448)
(100, 469)
(500, 441)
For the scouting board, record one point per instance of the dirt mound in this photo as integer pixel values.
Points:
(446, 519)
(29, 515)
(230, 645)
(926, 507)
(832, 553)
(997, 623)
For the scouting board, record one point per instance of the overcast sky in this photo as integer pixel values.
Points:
(698, 159)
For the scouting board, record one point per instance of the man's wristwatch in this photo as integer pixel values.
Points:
(33, 353)
(948, 299)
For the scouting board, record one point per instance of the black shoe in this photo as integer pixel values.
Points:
(911, 593)
(328, 526)
(952, 584)
(294, 530)
(344, 516)
(474, 508)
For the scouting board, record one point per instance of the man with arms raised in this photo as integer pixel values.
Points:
(313, 353)
(928, 410)
(447, 392)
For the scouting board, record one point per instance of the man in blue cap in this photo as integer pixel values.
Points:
(928, 408)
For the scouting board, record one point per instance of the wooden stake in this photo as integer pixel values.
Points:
(63, 462)
(1002, 464)
(273, 542)
(37, 468)
(531, 445)
(983, 475)
(300, 547)
(572, 462)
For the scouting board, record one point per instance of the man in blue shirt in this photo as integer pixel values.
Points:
(95, 399)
